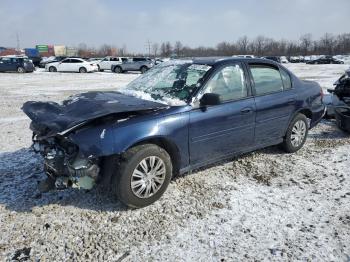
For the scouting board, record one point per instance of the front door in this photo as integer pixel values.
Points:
(219, 130)
(64, 65)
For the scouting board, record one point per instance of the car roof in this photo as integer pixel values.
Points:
(211, 61)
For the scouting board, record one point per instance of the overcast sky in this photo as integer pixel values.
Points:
(194, 23)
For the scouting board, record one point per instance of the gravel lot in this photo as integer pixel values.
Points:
(265, 205)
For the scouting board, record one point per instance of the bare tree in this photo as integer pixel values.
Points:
(327, 43)
(163, 49)
(168, 49)
(242, 44)
(178, 48)
(305, 43)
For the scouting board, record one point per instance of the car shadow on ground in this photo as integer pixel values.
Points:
(20, 173)
(331, 132)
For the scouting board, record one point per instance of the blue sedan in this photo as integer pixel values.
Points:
(178, 116)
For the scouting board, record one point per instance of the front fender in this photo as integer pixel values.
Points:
(109, 139)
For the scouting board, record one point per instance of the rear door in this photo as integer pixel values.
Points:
(75, 65)
(217, 131)
(275, 101)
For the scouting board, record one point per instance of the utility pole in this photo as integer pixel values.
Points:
(148, 46)
(18, 43)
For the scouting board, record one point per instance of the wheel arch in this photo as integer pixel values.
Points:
(169, 146)
(304, 111)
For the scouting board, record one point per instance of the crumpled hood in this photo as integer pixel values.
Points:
(84, 107)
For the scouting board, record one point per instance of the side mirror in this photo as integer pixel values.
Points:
(210, 99)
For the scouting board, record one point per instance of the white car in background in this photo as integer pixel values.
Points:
(284, 60)
(109, 61)
(71, 65)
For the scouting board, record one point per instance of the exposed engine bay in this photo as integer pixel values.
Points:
(64, 165)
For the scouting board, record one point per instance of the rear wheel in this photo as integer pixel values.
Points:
(118, 70)
(142, 176)
(82, 70)
(20, 69)
(52, 69)
(143, 69)
(296, 134)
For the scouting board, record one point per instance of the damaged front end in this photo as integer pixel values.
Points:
(73, 136)
(64, 164)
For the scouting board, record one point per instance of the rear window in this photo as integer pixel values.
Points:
(287, 82)
(267, 79)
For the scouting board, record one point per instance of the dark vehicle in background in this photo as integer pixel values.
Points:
(141, 64)
(338, 102)
(198, 112)
(43, 63)
(33, 54)
(273, 58)
(324, 60)
(16, 64)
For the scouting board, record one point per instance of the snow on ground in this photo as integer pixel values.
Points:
(265, 205)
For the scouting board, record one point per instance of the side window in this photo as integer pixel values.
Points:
(6, 60)
(267, 79)
(75, 61)
(287, 82)
(66, 61)
(228, 83)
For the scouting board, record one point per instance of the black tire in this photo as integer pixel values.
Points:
(288, 145)
(99, 69)
(143, 69)
(129, 161)
(21, 70)
(82, 70)
(52, 69)
(118, 70)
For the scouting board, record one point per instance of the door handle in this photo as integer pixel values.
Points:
(246, 110)
(291, 101)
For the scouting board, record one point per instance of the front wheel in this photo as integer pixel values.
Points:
(118, 70)
(296, 134)
(142, 176)
(52, 69)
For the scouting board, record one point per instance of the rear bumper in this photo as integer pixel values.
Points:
(317, 115)
(29, 68)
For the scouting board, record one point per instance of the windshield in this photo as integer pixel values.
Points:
(170, 82)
